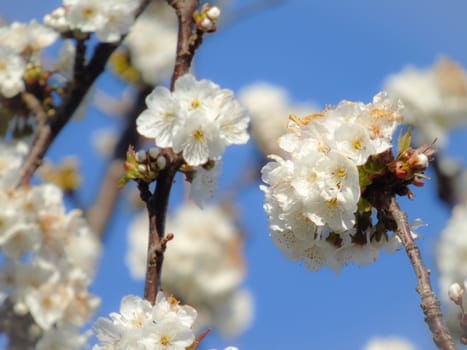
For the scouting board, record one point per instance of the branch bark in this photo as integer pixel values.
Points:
(188, 41)
(430, 304)
(101, 212)
(157, 202)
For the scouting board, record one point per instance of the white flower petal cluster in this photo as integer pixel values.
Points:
(109, 19)
(198, 119)
(27, 38)
(269, 106)
(435, 99)
(12, 68)
(391, 343)
(165, 326)
(20, 43)
(154, 55)
(451, 256)
(203, 265)
(50, 255)
(313, 192)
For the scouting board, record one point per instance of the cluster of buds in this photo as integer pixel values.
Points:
(407, 168)
(457, 295)
(411, 163)
(36, 80)
(206, 19)
(143, 165)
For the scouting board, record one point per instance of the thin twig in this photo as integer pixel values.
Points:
(157, 203)
(187, 41)
(33, 104)
(84, 80)
(430, 304)
(101, 212)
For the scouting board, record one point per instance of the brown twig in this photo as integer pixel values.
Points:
(101, 212)
(157, 205)
(33, 104)
(85, 76)
(430, 304)
(157, 202)
(188, 41)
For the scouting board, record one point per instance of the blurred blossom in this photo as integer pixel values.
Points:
(203, 265)
(392, 343)
(50, 255)
(107, 18)
(104, 140)
(435, 99)
(270, 107)
(451, 256)
(152, 42)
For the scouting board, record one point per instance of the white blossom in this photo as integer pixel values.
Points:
(435, 98)
(12, 68)
(391, 343)
(154, 55)
(139, 325)
(312, 193)
(51, 255)
(197, 119)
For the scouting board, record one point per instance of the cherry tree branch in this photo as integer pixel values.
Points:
(101, 212)
(157, 202)
(188, 41)
(85, 76)
(157, 205)
(430, 304)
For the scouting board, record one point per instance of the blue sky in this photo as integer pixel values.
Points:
(322, 51)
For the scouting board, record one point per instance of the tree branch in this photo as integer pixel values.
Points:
(101, 212)
(157, 203)
(430, 304)
(188, 42)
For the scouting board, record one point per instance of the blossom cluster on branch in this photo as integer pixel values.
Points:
(49, 258)
(313, 195)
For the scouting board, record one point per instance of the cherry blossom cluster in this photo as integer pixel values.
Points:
(197, 120)
(269, 106)
(435, 99)
(20, 45)
(313, 194)
(140, 325)
(49, 257)
(203, 265)
(108, 19)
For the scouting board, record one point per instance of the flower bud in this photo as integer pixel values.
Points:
(140, 156)
(161, 162)
(420, 162)
(455, 292)
(206, 24)
(213, 13)
(142, 168)
(153, 152)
